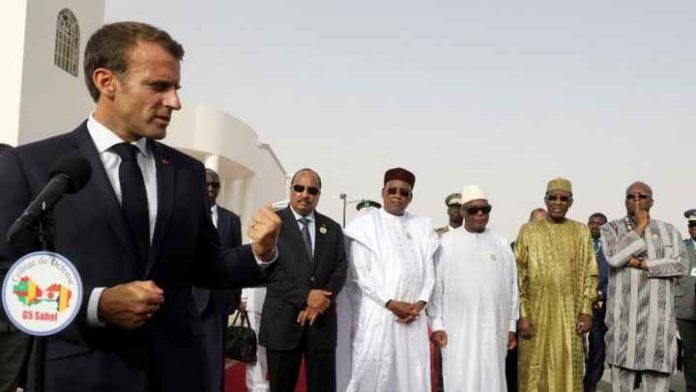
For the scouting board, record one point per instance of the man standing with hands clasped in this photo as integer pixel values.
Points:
(299, 314)
(557, 275)
(594, 363)
(391, 280)
(216, 305)
(646, 257)
(474, 306)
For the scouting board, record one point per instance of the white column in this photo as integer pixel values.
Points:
(13, 31)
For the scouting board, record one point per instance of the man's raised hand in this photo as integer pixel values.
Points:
(263, 232)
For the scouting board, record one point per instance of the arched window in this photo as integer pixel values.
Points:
(67, 51)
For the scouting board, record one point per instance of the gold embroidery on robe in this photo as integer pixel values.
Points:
(557, 275)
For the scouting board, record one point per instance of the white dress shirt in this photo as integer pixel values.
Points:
(104, 139)
(214, 214)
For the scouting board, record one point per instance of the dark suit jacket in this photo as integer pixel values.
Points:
(293, 277)
(91, 232)
(685, 302)
(229, 228)
(216, 305)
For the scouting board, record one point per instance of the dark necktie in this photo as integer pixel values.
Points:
(134, 198)
(306, 237)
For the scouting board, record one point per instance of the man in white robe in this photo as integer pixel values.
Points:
(391, 277)
(474, 307)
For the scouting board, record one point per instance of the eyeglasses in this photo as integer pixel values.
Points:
(312, 190)
(637, 196)
(564, 199)
(476, 209)
(692, 224)
(214, 185)
(402, 192)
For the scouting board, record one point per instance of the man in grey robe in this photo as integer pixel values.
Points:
(646, 257)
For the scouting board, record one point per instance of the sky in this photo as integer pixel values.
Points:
(505, 94)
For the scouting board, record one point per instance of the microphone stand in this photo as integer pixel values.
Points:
(44, 234)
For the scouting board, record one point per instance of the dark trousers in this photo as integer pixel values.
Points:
(214, 325)
(438, 384)
(284, 367)
(594, 363)
(511, 369)
(687, 331)
(14, 350)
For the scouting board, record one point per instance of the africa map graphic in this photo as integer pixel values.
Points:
(30, 294)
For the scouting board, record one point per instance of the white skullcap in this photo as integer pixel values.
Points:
(472, 192)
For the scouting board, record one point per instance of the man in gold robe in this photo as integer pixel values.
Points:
(557, 275)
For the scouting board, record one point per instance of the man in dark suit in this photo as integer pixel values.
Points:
(596, 349)
(216, 305)
(139, 232)
(299, 315)
(685, 304)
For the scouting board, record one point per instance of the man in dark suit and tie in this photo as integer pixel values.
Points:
(139, 233)
(299, 315)
(216, 305)
(685, 304)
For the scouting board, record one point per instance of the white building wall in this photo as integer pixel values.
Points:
(250, 174)
(53, 101)
(12, 47)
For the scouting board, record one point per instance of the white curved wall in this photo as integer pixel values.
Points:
(250, 173)
(12, 32)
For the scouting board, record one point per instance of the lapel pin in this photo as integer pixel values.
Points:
(166, 162)
(322, 229)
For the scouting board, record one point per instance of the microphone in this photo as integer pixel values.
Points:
(68, 174)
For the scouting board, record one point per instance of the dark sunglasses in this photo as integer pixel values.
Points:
(476, 209)
(312, 190)
(639, 196)
(564, 199)
(402, 192)
(692, 224)
(214, 185)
